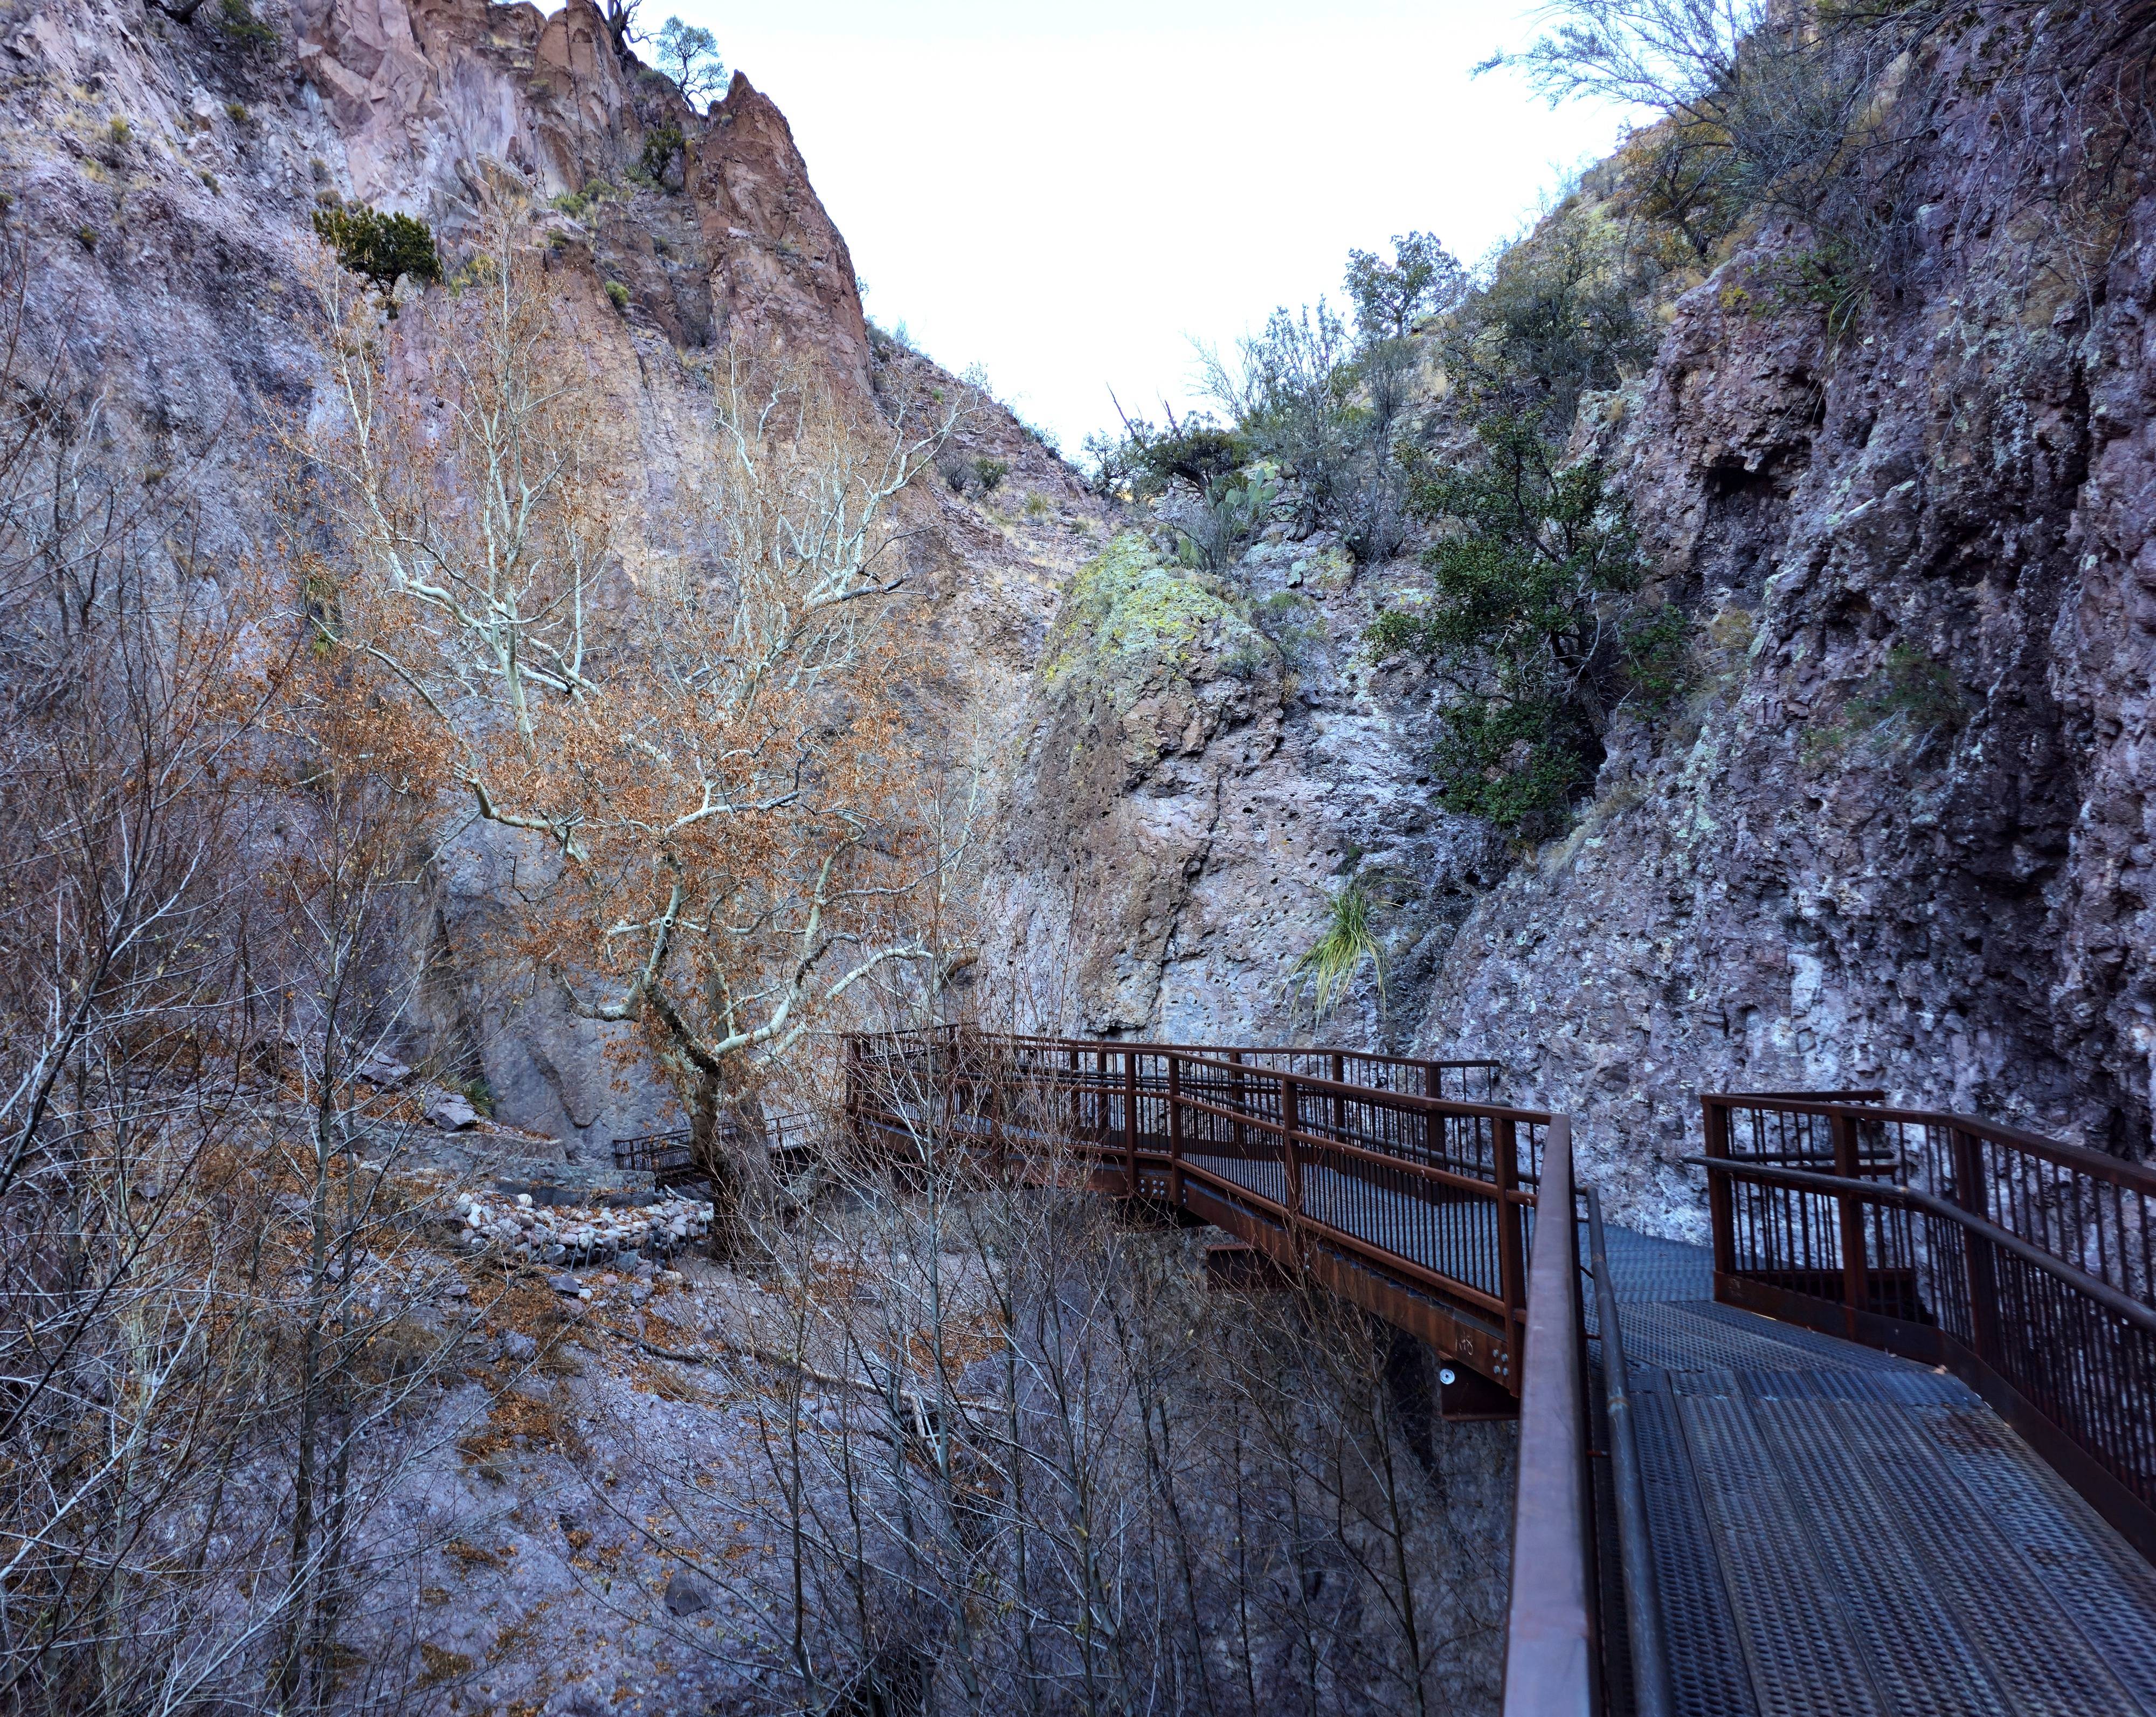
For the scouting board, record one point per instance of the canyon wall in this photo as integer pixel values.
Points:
(1897, 835)
(163, 178)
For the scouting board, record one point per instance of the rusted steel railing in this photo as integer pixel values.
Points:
(1552, 1647)
(1414, 1207)
(669, 1158)
(2026, 1265)
(1468, 1081)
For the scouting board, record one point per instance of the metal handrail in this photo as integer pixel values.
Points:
(1911, 1198)
(1643, 1601)
(1150, 1119)
(1549, 1633)
(2141, 1176)
(2025, 1265)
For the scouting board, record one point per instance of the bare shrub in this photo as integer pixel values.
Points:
(1017, 1458)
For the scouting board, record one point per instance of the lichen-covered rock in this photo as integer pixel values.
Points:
(1207, 760)
(1899, 837)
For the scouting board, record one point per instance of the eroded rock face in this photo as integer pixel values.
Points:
(1900, 838)
(1208, 761)
(172, 257)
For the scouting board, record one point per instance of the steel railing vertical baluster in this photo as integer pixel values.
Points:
(1339, 1098)
(1721, 1203)
(1130, 1123)
(1855, 1294)
(1292, 1165)
(1511, 1221)
(1980, 1265)
(1235, 1102)
(1100, 1122)
(1175, 1129)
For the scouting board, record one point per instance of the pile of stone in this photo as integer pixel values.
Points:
(573, 1235)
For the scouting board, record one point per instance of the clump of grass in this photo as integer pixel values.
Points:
(576, 204)
(120, 130)
(1338, 955)
(242, 27)
(1907, 704)
(618, 294)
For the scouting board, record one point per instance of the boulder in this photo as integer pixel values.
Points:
(452, 1112)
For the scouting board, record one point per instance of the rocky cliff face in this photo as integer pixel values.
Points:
(1900, 836)
(164, 176)
(1897, 836)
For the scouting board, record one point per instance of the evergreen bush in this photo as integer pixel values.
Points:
(380, 248)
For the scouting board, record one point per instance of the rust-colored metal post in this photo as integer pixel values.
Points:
(1511, 1221)
(1979, 1260)
(1290, 1123)
(1175, 1129)
(1236, 1103)
(1721, 1195)
(1077, 1101)
(1855, 1296)
(1339, 1100)
(1100, 1102)
(1130, 1123)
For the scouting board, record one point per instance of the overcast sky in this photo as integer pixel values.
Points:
(1067, 195)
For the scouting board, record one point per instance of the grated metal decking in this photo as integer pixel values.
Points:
(1838, 1532)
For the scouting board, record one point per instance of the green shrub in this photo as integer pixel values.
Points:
(1294, 626)
(1391, 297)
(242, 26)
(617, 295)
(1218, 524)
(236, 111)
(1654, 648)
(1530, 626)
(1332, 408)
(1563, 311)
(1907, 702)
(1830, 280)
(120, 132)
(1518, 762)
(379, 247)
(989, 473)
(660, 147)
(86, 236)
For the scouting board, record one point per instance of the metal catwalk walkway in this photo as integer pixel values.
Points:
(1925, 1484)
(1839, 1532)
